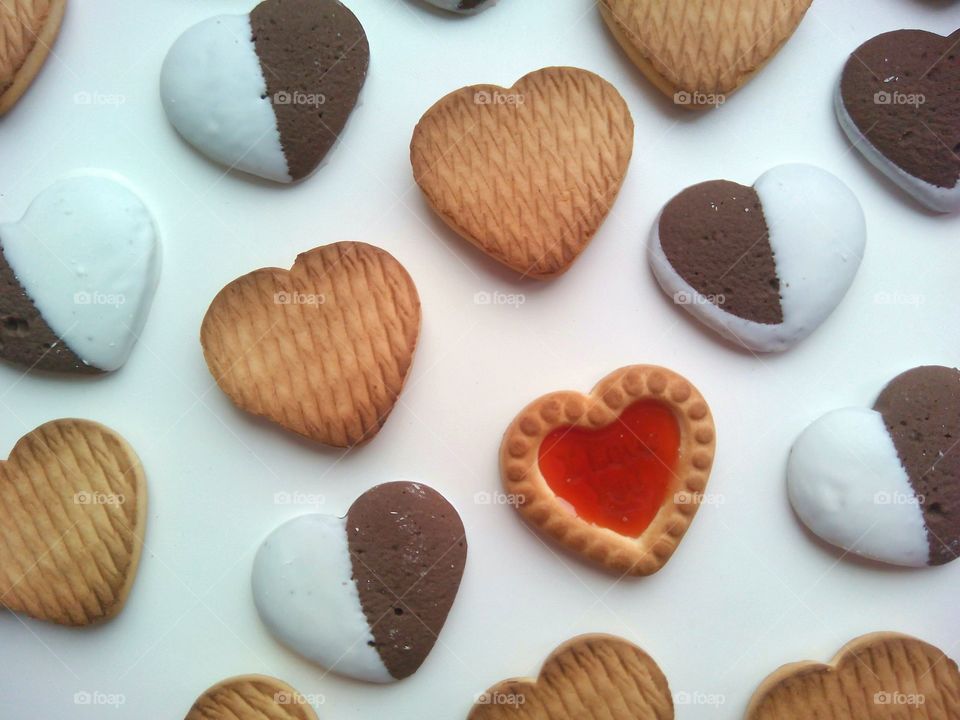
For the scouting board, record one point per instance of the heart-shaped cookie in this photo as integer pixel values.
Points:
(464, 7)
(880, 676)
(270, 92)
(763, 266)
(616, 475)
(591, 677)
(699, 51)
(27, 30)
(73, 507)
(885, 483)
(251, 697)
(365, 595)
(77, 276)
(528, 173)
(898, 101)
(323, 349)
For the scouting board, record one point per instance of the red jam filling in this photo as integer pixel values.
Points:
(617, 476)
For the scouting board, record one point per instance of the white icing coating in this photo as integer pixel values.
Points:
(215, 95)
(846, 484)
(87, 253)
(939, 199)
(304, 590)
(818, 236)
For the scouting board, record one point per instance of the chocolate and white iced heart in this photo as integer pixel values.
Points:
(270, 92)
(885, 483)
(365, 595)
(898, 100)
(77, 276)
(465, 7)
(763, 266)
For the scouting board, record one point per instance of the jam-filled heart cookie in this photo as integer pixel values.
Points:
(763, 266)
(880, 676)
(591, 677)
(28, 29)
(365, 595)
(898, 101)
(527, 173)
(73, 507)
(77, 276)
(885, 483)
(323, 349)
(699, 51)
(616, 475)
(270, 92)
(251, 697)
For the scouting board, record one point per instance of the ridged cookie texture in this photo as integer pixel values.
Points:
(72, 516)
(881, 676)
(699, 51)
(539, 504)
(591, 677)
(527, 173)
(323, 349)
(251, 697)
(27, 30)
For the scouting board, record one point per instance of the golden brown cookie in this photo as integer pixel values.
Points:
(881, 676)
(616, 475)
(251, 697)
(528, 173)
(591, 677)
(73, 506)
(323, 349)
(27, 30)
(699, 51)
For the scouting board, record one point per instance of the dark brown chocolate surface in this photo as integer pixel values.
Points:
(25, 337)
(314, 56)
(408, 550)
(902, 90)
(715, 236)
(921, 409)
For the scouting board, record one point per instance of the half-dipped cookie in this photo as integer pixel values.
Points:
(270, 92)
(464, 7)
(885, 483)
(77, 276)
(364, 595)
(765, 265)
(898, 101)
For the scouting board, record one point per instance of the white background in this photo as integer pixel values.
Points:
(747, 590)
